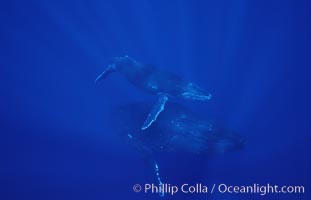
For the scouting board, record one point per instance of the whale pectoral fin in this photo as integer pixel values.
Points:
(105, 73)
(156, 110)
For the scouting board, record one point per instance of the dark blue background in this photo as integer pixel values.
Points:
(56, 142)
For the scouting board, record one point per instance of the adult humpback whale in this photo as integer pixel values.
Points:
(156, 81)
(176, 130)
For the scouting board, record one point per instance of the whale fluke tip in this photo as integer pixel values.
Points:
(110, 69)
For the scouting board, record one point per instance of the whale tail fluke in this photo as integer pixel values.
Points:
(104, 74)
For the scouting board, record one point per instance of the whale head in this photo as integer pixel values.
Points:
(228, 142)
(192, 91)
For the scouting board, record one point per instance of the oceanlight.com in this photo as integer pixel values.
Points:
(222, 188)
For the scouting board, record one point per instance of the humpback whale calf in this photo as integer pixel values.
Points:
(156, 81)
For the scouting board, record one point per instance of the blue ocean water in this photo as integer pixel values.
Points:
(57, 137)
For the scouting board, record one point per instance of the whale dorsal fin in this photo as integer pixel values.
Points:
(155, 111)
(104, 74)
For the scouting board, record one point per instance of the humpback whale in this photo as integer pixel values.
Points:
(177, 130)
(156, 81)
